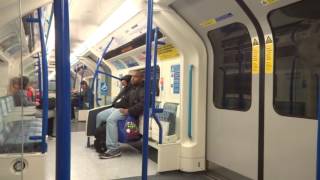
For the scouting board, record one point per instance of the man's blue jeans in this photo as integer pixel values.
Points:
(111, 116)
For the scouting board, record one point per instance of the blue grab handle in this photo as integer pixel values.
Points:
(35, 138)
(190, 68)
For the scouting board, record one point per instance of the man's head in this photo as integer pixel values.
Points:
(137, 78)
(125, 80)
(16, 83)
(84, 85)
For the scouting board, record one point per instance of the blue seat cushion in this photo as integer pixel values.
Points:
(18, 133)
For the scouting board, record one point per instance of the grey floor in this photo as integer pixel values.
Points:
(78, 126)
(85, 164)
(175, 176)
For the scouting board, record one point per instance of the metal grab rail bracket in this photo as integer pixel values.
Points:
(154, 85)
(190, 102)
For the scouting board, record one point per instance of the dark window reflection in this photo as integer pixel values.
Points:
(232, 50)
(296, 31)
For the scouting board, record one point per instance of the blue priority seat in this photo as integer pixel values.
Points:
(16, 136)
(128, 130)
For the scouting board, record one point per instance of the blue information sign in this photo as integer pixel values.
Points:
(103, 89)
(175, 73)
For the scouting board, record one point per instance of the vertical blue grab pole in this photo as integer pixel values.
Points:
(155, 58)
(81, 79)
(62, 53)
(45, 101)
(318, 135)
(75, 79)
(96, 73)
(49, 25)
(97, 92)
(147, 91)
(39, 76)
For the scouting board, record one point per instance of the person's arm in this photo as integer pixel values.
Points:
(121, 93)
(137, 109)
(25, 101)
(122, 103)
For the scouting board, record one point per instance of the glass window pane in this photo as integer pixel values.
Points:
(296, 31)
(232, 50)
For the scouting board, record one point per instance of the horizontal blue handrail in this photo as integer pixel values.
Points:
(109, 75)
(35, 138)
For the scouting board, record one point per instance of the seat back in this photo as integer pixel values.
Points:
(9, 104)
(4, 107)
(169, 115)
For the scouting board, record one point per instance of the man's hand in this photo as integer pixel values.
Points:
(124, 111)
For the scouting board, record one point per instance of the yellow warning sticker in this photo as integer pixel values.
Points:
(167, 51)
(255, 56)
(269, 55)
(268, 2)
(208, 22)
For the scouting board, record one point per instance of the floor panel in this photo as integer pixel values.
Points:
(175, 176)
(86, 164)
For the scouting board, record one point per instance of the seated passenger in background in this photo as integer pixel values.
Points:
(31, 91)
(83, 97)
(14, 85)
(125, 82)
(130, 104)
(20, 96)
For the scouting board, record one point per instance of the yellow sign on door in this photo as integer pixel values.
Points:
(208, 22)
(255, 56)
(268, 2)
(269, 55)
(168, 51)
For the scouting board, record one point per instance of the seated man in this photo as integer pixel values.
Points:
(130, 104)
(125, 82)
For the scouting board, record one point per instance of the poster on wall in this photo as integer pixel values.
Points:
(103, 89)
(130, 62)
(175, 75)
(117, 64)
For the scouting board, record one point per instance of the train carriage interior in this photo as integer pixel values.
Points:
(159, 89)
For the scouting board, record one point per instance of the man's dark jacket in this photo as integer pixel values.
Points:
(121, 94)
(133, 100)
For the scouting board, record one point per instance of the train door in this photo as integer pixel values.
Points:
(233, 85)
(292, 45)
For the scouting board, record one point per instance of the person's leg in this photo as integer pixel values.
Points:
(112, 135)
(73, 105)
(103, 116)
